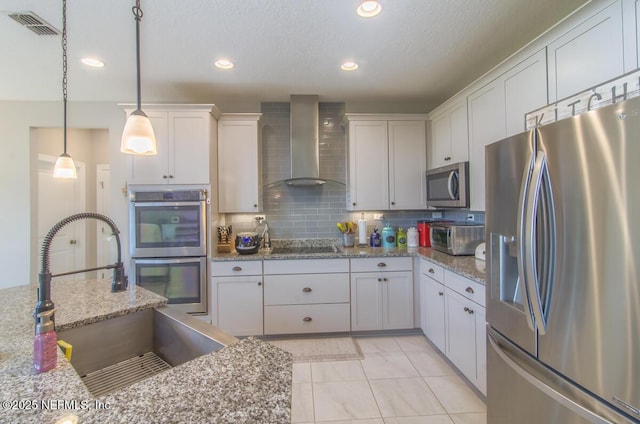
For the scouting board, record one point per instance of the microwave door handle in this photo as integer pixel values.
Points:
(452, 185)
(523, 228)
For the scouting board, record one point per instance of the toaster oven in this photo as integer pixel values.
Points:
(457, 239)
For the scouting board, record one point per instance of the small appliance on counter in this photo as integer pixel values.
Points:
(247, 243)
(456, 238)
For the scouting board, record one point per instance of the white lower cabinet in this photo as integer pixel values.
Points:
(236, 299)
(306, 296)
(453, 318)
(432, 317)
(381, 299)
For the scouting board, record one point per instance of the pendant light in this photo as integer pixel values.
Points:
(138, 137)
(64, 167)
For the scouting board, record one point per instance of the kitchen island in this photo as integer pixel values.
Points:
(249, 381)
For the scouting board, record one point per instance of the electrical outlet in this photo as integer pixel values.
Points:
(378, 216)
(436, 214)
(260, 218)
(471, 217)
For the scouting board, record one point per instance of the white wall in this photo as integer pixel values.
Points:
(17, 218)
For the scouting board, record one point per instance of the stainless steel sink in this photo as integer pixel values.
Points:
(118, 352)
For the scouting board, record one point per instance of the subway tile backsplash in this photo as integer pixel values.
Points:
(312, 212)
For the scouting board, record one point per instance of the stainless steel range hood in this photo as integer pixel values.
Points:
(304, 144)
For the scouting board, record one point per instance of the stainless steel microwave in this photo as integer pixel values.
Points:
(448, 186)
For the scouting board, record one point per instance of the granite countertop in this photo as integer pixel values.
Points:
(467, 266)
(249, 381)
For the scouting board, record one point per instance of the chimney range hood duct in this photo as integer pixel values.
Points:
(304, 144)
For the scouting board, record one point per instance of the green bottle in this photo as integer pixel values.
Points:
(402, 238)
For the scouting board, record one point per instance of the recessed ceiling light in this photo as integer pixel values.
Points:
(349, 66)
(92, 61)
(224, 64)
(369, 8)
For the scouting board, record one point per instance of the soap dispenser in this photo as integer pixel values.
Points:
(45, 345)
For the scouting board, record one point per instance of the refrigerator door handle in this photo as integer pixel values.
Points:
(521, 237)
(544, 388)
(530, 258)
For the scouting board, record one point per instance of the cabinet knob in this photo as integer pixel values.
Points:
(385, 279)
(170, 176)
(307, 289)
(165, 177)
(381, 264)
(393, 203)
(306, 319)
(469, 290)
(255, 205)
(259, 283)
(354, 203)
(432, 271)
(379, 279)
(440, 294)
(447, 158)
(236, 268)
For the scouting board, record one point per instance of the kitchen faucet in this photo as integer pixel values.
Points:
(118, 284)
(265, 237)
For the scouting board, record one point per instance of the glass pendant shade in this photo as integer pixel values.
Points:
(138, 137)
(64, 167)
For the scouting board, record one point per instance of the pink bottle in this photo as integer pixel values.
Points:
(45, 343)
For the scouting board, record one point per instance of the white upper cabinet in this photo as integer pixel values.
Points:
(587, 54)
(239, 163)
(497, 110)
(449, 141)
(387, 161)
(183, 136)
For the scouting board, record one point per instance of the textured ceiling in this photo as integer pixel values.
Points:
(416, 51)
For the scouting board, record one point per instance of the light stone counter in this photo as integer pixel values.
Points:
(468, 266)
(247, 382)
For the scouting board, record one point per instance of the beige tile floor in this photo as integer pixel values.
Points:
(401, 380)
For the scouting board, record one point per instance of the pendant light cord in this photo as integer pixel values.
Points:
(64, 72)
(137, 14)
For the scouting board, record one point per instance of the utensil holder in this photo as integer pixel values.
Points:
(348, 239)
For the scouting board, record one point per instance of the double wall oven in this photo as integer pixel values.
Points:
(168, 245)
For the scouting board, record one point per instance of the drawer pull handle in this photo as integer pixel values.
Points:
(440, 294)
(382, 264)
(469, 290)
(236, 268)
(307, 289)
(468, 310)
(306, 319)
(432, 271)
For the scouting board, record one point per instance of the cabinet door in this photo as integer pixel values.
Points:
(486, 125)
(450, 136)
(397, 308)
(153, 169)
(461, 333)
(366, 301)
(481, 350)
(433, 315)
(440, 141)
(238, 166)
(368, 166)
(189, 160)
(407, 165)
(524, 91)
(239, 304)
(587, 55)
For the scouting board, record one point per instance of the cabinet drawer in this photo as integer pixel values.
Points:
(233, 268)
(466, 287)
(306, 289)
(382, 264)
(322, 318)
(432, 270)
(305, 266)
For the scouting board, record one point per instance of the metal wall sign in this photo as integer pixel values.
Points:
(613, 91)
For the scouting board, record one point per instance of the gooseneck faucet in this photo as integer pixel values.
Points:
(118, 284)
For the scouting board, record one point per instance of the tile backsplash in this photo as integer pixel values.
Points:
(312, 212)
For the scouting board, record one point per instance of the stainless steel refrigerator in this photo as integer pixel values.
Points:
(563, 271)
